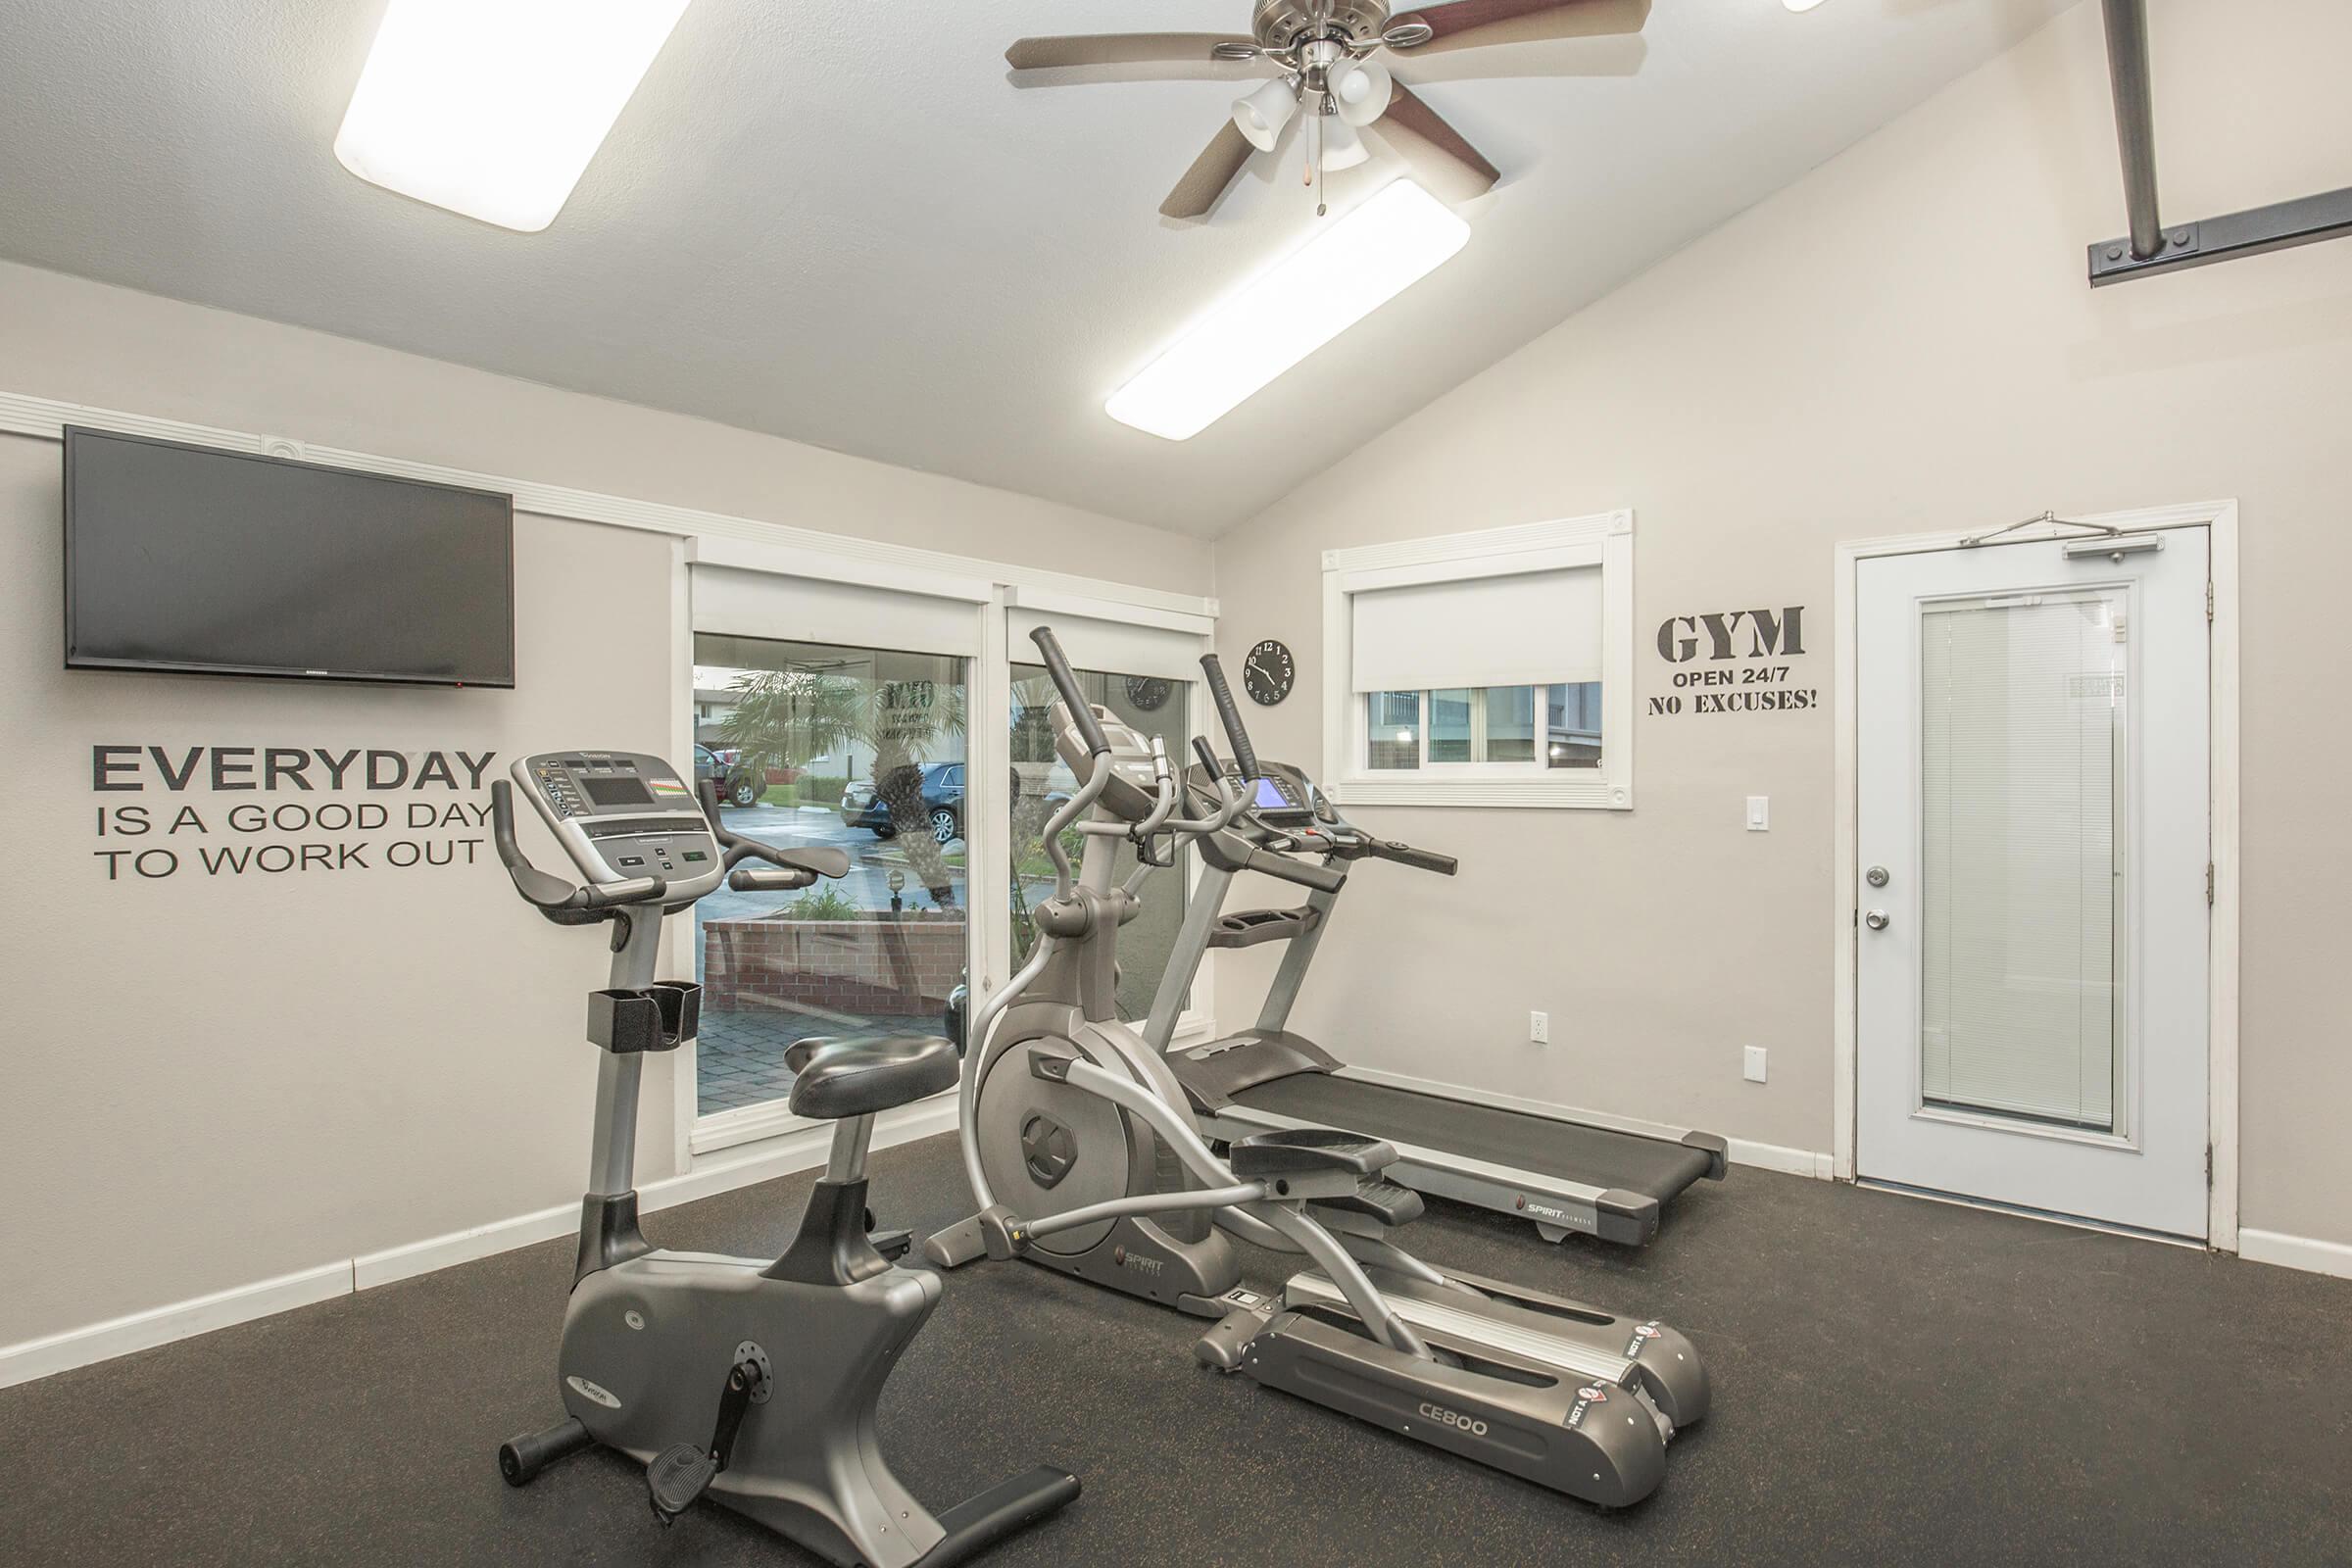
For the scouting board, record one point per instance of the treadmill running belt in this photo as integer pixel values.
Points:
(1597, 1156)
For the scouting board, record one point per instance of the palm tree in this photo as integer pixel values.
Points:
(784, 715)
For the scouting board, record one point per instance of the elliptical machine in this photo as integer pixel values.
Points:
(677, 1359)
(1070, 1123)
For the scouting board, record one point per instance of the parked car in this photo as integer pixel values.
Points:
(942, 802)
(736, 785)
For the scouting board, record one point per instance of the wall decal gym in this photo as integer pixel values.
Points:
(1745, 652)
(212, 837)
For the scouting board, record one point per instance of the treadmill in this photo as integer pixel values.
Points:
(1569, 1177)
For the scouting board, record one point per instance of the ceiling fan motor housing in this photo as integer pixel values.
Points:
(1278, 22)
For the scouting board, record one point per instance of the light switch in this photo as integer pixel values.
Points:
(1759, 813)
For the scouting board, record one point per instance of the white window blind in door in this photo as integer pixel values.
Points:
(1522, 629)
(807, 610)
(2024, 792)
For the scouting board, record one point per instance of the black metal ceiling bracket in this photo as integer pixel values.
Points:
(2277, 227)
(2151, 246)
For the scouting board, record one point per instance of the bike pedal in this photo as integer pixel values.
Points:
(676, 1478)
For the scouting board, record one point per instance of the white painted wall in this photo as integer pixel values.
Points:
(218, 1081)
(1903, 341)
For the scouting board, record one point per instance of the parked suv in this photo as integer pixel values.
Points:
(942, 802)
(736, 785)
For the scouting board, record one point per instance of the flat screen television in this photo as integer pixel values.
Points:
(186, 557)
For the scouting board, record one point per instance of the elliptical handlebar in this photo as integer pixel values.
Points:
(1082, 712)
(1227, 709)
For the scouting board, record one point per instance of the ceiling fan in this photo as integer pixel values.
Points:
(1330, 58)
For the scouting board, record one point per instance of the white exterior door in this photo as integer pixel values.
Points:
(2034, 839)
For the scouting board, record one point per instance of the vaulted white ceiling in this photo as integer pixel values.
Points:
(840, 222)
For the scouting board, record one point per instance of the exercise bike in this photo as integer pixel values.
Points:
(747, 1381)
(1070, 1122)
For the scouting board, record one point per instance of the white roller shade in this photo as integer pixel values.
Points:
(1114, 646)
(1524, 629)
(808, 610)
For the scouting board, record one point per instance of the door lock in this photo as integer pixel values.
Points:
(1875, 876)
(1875, 919)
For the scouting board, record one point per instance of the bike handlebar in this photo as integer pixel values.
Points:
(552, 893)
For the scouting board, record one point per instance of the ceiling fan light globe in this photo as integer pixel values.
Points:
(1361, 89)
(1261, 114)
(1342, 148)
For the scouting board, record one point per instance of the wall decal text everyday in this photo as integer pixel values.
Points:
(203, 835)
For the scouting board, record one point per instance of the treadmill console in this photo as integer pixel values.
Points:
(623, 814)
(1282, 797)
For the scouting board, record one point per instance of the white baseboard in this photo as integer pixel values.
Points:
(1813, 1163)
(371, 1269)
(2295, 1251)
(143, 1331)
(1741, 1150)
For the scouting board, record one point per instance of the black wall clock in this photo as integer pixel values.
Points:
(1267, 673)
(1147, 691)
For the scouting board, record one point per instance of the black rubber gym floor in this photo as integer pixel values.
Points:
(1895, 1381)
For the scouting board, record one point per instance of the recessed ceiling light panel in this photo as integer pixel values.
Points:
(493, 108)
(1358, 263)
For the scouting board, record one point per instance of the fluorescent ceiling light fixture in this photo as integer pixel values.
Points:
(1801, 4)
(493, 108)
(1351, 269)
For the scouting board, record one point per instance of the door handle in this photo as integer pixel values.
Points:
(1875, 919)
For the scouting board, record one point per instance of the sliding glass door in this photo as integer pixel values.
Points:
(831, 715)
(818, 745)
(905, 727)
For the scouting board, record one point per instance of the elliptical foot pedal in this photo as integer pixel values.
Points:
(1298, 1150)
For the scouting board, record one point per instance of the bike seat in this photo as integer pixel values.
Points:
(833, 1079)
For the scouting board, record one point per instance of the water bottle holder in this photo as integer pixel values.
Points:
(661, 1017)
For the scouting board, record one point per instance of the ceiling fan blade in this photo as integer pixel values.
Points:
(1119, 49)
(1203, 183)
(1476, 24)
(1435, 149)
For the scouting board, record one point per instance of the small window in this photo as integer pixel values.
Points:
(1486, 724)
(1482, 669)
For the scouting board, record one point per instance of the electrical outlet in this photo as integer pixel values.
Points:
(1539, 1028)
(1755, 1064)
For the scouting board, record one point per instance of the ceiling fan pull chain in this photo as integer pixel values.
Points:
(1321, 206)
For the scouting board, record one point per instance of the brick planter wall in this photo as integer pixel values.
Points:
(880, 965)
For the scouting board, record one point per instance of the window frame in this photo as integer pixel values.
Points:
(1604, 540)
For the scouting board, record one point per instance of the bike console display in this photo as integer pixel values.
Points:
(623, 814)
